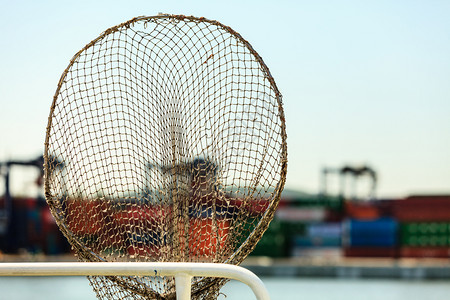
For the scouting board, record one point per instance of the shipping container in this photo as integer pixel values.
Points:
(381, 232)
(425, 252)
(296, 214)
(316, 241)
(362, 210)
(388, 252)
(423, 234)
(324, 229)
(423, 209)
(272, 245)
(322, 252)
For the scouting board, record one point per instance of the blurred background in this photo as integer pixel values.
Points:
(366, 92)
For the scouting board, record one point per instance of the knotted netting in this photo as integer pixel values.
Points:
(165, 143)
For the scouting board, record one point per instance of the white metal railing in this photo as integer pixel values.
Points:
(183, 272)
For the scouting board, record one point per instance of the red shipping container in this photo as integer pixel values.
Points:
(423, 209)
(143, 251)
(439, 200)
(425, 252)
(370, 252)
(423, 214)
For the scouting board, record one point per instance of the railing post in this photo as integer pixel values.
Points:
(183, 286)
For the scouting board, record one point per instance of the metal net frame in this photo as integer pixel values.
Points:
(166, 142)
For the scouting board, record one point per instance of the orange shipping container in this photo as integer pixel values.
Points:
(205, 239)
(362, 211)
(86, 217)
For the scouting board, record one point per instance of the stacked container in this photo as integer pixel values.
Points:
(424, 226)
(311, 225)
(318, 238)
(369, 230)
(302, 225)
(370, 238)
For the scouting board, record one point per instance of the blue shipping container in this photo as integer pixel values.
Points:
(371, 227)
(372, 233)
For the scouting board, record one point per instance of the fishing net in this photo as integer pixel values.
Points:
(165, 143)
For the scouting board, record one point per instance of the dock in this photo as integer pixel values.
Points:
(408, 269)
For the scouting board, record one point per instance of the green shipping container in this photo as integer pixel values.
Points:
(425, 234)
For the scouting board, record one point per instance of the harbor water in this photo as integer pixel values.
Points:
(280, 288)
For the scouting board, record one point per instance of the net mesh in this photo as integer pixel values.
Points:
(165, 143)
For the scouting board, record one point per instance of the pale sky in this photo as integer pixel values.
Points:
(362, 81)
